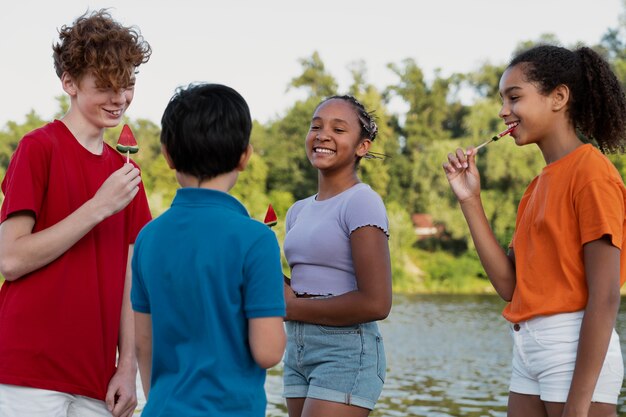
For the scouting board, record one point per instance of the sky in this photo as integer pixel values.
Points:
(255, 46)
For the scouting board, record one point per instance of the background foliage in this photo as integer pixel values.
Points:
(410, 179)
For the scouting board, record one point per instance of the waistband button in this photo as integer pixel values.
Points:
(516, 327)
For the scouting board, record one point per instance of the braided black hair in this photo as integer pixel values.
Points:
(369, 128)
(597, 105)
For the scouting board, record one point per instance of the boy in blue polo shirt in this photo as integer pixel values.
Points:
(207, 280)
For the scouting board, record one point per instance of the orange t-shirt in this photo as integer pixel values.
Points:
(575, 200)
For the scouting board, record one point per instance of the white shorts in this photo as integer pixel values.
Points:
(544, 356)
(16, 401)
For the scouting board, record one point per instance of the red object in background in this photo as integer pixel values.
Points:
(270, 217)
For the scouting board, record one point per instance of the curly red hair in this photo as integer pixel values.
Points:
(98, 44)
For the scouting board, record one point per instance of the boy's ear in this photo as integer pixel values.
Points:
(70, 86)
(560, 97)
(245, 158)
(363, 148)
(167, 157)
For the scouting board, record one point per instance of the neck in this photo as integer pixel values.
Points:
(558, 145)
(89, 136)
(331, 185)
(222, 182)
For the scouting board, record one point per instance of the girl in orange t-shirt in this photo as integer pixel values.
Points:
(566, 263)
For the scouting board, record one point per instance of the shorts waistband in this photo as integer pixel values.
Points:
(547, 321)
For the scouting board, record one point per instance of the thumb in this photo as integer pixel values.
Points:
(110, 400)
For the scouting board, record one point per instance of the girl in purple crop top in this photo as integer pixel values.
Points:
(337, 248)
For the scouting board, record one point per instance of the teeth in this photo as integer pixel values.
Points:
(510, 125)
(323, 150)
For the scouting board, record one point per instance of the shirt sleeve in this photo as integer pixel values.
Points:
(138, 294)
(600, 210)
(263, 279)
(26, 179)
(366, 208)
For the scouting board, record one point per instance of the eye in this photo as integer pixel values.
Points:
(314, 127)
(339, 130)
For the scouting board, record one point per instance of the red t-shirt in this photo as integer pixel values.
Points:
(59, 324)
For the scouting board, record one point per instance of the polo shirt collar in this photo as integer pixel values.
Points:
(206, 197)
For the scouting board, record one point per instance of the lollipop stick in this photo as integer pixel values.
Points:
(483, 144)
(496, 137)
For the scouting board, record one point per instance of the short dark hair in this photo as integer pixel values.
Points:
(205, 129)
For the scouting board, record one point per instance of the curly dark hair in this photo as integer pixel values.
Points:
(97, 43)
(597, 105)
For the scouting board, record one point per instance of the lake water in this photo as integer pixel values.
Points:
(447, 355)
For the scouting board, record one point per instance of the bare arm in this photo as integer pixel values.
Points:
(371, 301)
(602, 269)
(143, 343)
(121, 395)
(22, 251)
(464, 180)
(267, 340)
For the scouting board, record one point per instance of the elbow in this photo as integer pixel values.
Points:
(268, 359)
(381, 310)
(9, 269)
(272, 353)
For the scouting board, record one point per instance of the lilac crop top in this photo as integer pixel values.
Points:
(317, 242)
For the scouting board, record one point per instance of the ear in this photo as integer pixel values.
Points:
(70, 86)
(363, 147)
(167, 157)
(245, 158)
(560, 97)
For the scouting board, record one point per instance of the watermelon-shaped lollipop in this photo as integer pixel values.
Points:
(270, 217)
(127, 143)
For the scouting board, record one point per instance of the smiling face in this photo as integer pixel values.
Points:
(334, 140)
(100, 107)
(524, 107)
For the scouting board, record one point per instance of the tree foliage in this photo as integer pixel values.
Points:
(409, 177)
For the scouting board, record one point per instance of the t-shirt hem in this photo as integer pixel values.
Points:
(141, 308)
(274, 312)
(51, 386)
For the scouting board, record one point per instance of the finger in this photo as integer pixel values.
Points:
(124, 405)
(110, 400)
(126, 168)
(461, 159)
(448, 168)
(452, 158)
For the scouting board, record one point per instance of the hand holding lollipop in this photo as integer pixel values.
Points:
(127, 143)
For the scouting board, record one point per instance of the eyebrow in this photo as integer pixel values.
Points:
(332, 120)
(508, 90)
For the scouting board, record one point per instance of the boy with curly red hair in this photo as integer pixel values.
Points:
(72, 209)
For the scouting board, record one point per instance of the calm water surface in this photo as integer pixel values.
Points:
(446, 356)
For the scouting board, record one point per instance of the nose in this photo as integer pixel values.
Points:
(120, 96)
(321, 136)
(504, 111)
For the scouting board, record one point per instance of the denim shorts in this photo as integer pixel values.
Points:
(343, 364)
(544, 357)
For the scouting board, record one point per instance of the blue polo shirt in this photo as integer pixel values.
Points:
(202, 269)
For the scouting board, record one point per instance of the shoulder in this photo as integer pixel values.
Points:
(298, 206)
(43, 136)
(363, 194)
(594, 165)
